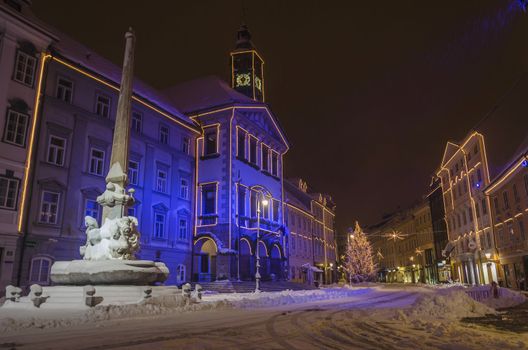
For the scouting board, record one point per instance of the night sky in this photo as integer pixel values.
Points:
(367, 92)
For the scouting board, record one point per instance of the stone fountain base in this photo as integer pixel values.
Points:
(115, 272)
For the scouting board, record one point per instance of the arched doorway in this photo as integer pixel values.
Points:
(264, 261)
(205, 260)
(276, 261)
(245, 260)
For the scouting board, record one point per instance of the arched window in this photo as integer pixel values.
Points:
(40, 269)
(180, 273)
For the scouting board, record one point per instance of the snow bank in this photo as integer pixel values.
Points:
(447, 304)
(16, 319)
(507, 297)
(287, 297)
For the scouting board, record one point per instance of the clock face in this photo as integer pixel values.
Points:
(243, 79)
(258, 83)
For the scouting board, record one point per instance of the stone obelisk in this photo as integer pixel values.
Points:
(115, 199)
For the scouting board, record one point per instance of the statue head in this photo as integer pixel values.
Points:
(90, 223)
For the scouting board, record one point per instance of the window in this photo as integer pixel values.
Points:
(456, 168)
(16, 127)
(49, 207)
(180, 273)
(64, 90)
(161, 181)
(184, 188)
(265, 157)
(479, 176)
(526, 184)
(274, 163)
(137, 122)
(276, 212)
(186, 145)
(133, 172)
(241, 201)
(8, 192)
(465, 186)
(164, 134)
(183, 229)
(496, 205)
(97, 158)
(56, 150)
(91, 208)
(521, 230)
(484, 207)
(253, 149)
(40, 269)
(516, 194)
(131, 211)
(102, 106)
(209, 199)
(25, 68)
(241, 144)
(505, 199)
(253, 203)
(159, 225)
(211, 139)
(470, 214)
(477, 209)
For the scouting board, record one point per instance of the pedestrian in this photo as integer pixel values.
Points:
(494, 290)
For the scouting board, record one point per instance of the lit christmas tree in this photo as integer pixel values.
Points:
(359, 261)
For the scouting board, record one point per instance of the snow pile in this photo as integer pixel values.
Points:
(507, 298)
(16, 319)
(447, 304)
(287, 297)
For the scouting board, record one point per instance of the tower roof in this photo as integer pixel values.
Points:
(243, 41)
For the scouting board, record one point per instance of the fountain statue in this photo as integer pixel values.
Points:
(109, 251)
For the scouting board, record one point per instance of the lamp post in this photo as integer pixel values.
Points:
(257, 265)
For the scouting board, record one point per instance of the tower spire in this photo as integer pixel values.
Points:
(243, 41)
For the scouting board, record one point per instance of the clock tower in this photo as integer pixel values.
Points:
(247, 67)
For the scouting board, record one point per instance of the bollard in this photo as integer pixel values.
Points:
(147, 293)
(186, 291)
(89, 298)
(198, 291)
(13, 293)
(35, 295)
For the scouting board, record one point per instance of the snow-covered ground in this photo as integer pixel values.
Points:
(366, 317)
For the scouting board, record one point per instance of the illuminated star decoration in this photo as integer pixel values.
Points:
(379, 254)
(419, 251)
(395, 235)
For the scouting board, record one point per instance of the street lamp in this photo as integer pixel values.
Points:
(265, 203)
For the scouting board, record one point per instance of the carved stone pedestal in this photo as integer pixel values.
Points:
(115, 272)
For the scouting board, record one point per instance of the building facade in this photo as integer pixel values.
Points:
(464, 174)
(508, 193)
(22, 45)
(72, 154)
(205, 163)
(312, 249)
(403, 246)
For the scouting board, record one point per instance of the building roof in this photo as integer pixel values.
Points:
(204, 94)
(82, 56)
